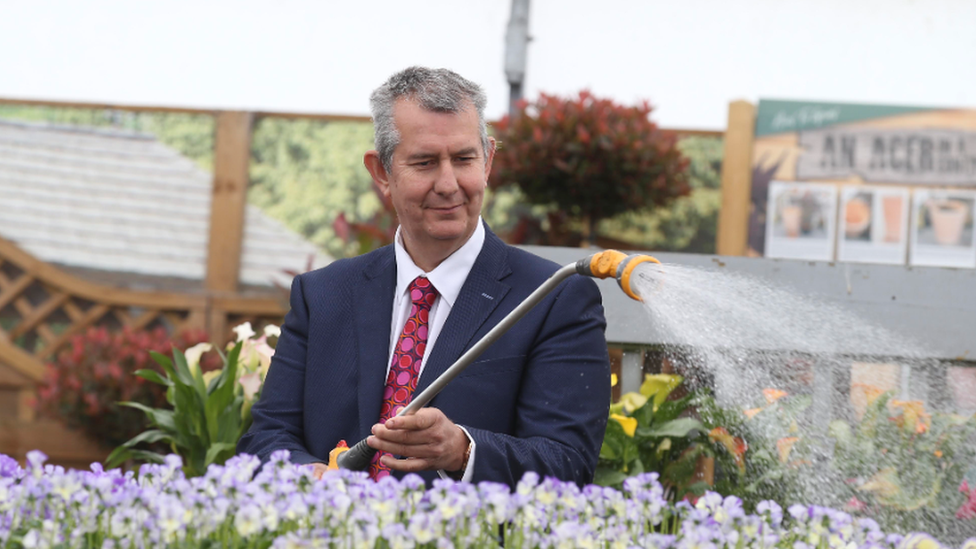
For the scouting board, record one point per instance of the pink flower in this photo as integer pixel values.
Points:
(968, 509)
(855, 505)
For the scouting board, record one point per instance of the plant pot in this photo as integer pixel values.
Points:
(948, 218)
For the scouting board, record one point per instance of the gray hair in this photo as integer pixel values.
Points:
(436, 90)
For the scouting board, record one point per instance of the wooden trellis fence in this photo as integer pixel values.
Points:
(41, 308)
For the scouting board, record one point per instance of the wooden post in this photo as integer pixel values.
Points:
(232, 157)
(733, 217)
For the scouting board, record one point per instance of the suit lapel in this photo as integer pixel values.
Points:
(373, 304)
(479, 296)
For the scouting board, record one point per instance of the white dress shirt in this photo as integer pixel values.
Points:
(447, 278)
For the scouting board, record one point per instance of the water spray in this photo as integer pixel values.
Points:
(606, 264)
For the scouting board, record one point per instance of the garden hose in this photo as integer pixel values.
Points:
(606, 264)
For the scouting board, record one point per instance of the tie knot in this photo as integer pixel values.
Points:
(422, 292)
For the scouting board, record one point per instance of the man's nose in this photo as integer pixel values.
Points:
(446, 182)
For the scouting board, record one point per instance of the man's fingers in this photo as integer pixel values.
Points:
(422, 450)
(423, 419)
(407, 465)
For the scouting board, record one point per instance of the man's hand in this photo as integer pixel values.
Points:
(319, 469)
(427, 440)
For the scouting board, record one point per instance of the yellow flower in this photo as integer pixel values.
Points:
(628, 423)
(209, 376)
(613, 380)
(884, 484)
(785, 446)
(659, 386)
(632, 401)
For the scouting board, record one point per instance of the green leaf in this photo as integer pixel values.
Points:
(676, 428)
(147, 456)
(165, 362)
(153, 376)
(184, 375)
(216, 449)
(606, 476)
(123, 452)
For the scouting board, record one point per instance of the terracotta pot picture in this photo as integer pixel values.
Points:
(948, 219)
(857, 217)
(791, 220)
(892, 206)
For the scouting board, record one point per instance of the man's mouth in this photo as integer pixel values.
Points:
(445, 209)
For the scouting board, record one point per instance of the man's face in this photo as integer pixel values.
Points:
(437, 178)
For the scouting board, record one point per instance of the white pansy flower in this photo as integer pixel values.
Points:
(272, 330)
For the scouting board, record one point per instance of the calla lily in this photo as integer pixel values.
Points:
(251, 383)
(244, 331)
(628, 423)
(272, 331)
(210, 376)
(193, 355)
(659, 386)
(632, 401)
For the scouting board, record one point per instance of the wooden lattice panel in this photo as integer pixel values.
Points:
(41, 308)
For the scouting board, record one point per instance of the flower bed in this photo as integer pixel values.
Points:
(282, 506)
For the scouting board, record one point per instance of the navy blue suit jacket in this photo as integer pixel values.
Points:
(536, 400)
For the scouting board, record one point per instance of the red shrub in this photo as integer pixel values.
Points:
(93, 373)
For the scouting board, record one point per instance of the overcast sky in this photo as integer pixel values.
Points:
(688, 57)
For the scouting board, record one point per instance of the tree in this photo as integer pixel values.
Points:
(589, 157)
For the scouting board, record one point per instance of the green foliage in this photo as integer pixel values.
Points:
(687, 224)
(306, 173)
(648, 432)
(589, 157)
(903, 463)
(85, 380)
(192, 135)
(206, 414)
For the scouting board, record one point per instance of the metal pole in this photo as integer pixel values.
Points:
(516, 50)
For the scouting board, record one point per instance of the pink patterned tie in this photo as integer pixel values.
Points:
(405, 367)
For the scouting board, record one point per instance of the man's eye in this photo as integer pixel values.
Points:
(422, 163)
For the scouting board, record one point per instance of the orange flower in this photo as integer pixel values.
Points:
(785, 446)
(751, 413)
(735, 445)
(871, 393)
(913, 415)
(772, 395)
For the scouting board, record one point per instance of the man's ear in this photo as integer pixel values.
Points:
(375, 168)
(489, 156)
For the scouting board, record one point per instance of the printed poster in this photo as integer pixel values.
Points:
(942, 229)
(873, 224)
(801, 221)
(858, 145)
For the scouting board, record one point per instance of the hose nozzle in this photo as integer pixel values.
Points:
(611, 263)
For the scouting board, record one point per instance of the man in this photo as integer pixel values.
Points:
(365, 334)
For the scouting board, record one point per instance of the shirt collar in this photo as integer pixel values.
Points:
(449, 276)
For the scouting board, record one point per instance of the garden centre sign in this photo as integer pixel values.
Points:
(919, 156)
(864, 183)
